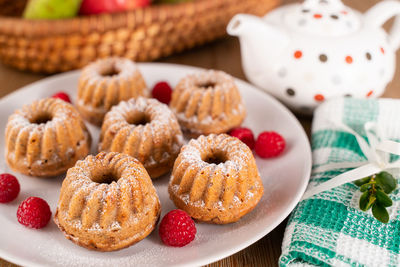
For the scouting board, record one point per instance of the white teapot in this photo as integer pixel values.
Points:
(306, 53)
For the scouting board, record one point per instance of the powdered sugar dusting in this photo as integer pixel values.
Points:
(160, 115)
(161, 130)
(218, 79)
(208, 101)
(41, 139)
(238, 152)
(124, 66)
(238, 157)
(80, 188)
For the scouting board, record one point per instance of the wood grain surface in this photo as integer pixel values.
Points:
(223, 54)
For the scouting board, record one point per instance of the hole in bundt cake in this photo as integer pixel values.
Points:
(110, 71)
(206, 85)
(216, 158)
(104, 177)
(41, 118)
(138, 119)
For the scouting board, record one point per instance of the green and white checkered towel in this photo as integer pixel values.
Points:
(329, 229)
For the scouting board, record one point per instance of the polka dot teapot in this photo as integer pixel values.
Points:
(306, 53)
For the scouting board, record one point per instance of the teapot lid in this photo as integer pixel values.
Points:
(322, 17)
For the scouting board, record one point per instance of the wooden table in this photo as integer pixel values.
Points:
(224, 55)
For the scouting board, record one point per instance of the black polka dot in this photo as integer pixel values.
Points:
(323, 58)
(290, 92)
(368, 56)
(305, 10)
(334, 16)
(348, 95)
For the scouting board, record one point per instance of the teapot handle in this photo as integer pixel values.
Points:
(380, 13)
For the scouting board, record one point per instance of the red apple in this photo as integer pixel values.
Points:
(90, 7)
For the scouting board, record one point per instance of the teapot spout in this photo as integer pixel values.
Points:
(254, 27)
(257, 33)
(261, 43)
(242, 24)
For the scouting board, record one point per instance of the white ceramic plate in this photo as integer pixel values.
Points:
(284, 178)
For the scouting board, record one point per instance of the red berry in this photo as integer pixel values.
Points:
(269, 144)
(162, 92)
(245, 135)
(62, 96)
(177, 229)
(9, 188)
(34, 212)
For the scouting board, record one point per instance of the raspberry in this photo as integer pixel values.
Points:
(162, 92)
(9, 188)
(269, 144)
(62, 96)
(177, 229)
(245, 135)
(34, 212)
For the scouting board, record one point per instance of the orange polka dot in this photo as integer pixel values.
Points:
(382, 50)
(319, 98)
(344, 12)
(349, 59)
(298, 54)
(317, 16)
(370, 93)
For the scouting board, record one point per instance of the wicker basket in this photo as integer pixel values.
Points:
(142, 35)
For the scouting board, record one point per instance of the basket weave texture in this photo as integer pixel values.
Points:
(141, 35)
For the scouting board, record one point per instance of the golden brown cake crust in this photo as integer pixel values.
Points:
(215, 179)
(144, 129)
(46, 138)
(107, 202)
(106, 82)
(207, 102)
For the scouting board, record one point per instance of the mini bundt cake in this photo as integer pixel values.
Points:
(208, 102)
(107, 202)
(145, 129)
(105, 83)
(46, 138)
(215, 179)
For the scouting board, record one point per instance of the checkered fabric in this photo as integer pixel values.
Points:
(329, 229)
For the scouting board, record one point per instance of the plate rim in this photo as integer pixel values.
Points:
(228, 252)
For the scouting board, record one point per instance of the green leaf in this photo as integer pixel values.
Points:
(365, 187)
(371, 200)
(364, 199)
(380, 213)
(378, 187)
(362, 181)
(386, 181)
(383, 199)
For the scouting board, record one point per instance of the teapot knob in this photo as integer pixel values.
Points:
(336, 4)
(380, 13)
